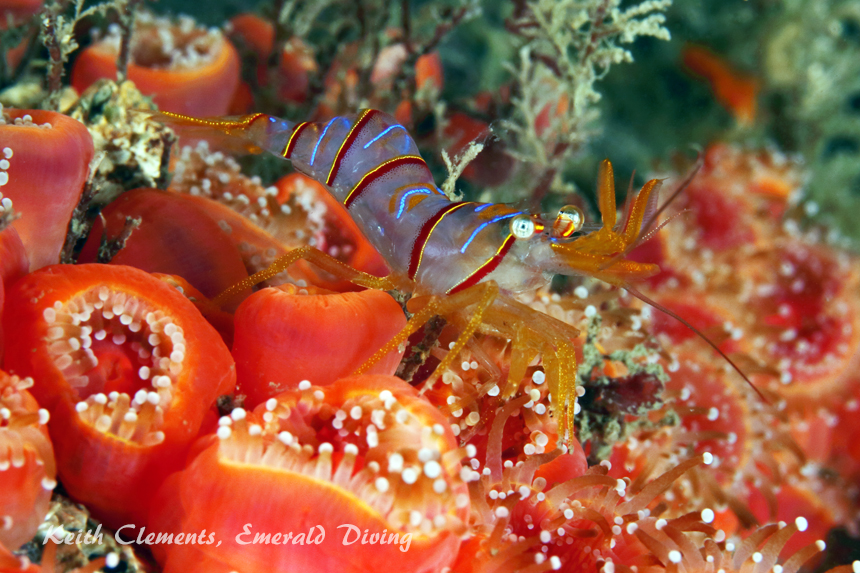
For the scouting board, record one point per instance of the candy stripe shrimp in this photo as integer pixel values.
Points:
(452, 256)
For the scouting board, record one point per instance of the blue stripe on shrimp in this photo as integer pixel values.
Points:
(422, 190)
(322, 136)
(483, 225)
(381, 135)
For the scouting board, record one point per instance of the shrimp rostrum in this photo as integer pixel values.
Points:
(464, 261)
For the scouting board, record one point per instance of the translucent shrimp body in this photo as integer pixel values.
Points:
(371, 164)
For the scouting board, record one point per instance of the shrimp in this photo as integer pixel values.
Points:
(451, 255)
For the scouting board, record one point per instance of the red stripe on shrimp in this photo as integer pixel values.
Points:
(485, 269)
(363, 120)
(424, 234)
(379, 171)
(294, 138)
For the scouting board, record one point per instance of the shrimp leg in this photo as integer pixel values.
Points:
(418, 320)
(312, 255)
(536, 333)
(482, 295)
(521, 356)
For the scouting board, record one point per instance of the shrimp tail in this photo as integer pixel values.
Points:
(253, 133)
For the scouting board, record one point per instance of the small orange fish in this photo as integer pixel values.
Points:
(735, 90)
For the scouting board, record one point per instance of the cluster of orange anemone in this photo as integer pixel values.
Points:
(235, 439)
(783, 305)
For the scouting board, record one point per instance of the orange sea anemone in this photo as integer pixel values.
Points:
(707, 316)
(44, 160)
(187, 69)
(201, 171)
(175, 236)
(525, 523)
(13, 259)
(296, 61)
(428, 72)
(596, 522)
(257, 34)
(810, 501)
(477, 397)
(736, 203)
(716, 416)
(783, 305)
(27, 469)
(14, 263)
(340, 478)
(127, 368)
(293, 75)
(287, 334)
(759, 474)
(808, 317)
(788, 301)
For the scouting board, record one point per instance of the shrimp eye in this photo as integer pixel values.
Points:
(569, 221)
(523, 227)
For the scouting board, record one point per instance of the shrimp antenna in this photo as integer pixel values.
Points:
(691, 174)
(644, 298)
